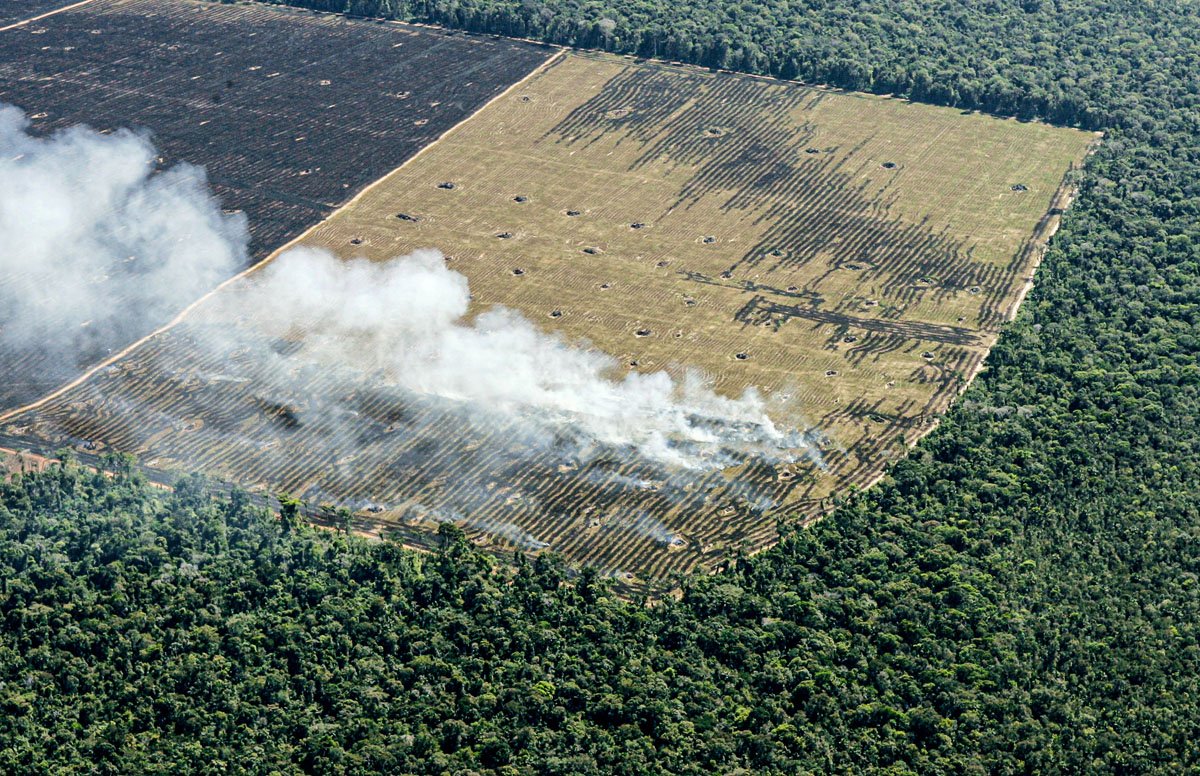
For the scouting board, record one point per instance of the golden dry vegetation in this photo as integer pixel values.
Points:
(853, 256)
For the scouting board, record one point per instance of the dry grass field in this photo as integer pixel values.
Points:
(852, 256)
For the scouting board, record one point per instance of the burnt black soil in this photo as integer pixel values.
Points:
(13, 11)
(290, 112)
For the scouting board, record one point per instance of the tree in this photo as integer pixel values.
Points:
(289, 512)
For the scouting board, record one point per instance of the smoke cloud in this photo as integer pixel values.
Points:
(96, 248)
(406, 320)
(371, 384)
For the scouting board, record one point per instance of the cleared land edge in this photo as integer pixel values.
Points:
(1033, 252)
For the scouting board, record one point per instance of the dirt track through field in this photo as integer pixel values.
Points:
(45, 15)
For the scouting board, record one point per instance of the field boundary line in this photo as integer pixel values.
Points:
(598, 53)
(1044, 232)
(87, 374)
(40, 16)
(1062, 200)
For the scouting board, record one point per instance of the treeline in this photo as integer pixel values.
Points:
(143, 632)
(1067, 61)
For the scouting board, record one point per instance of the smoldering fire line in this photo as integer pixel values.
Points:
(404, 321)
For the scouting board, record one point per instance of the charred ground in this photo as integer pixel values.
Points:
(290, 112)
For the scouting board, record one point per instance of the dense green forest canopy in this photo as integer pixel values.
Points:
(1021, 595)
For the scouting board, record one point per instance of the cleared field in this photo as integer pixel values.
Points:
(292, 113)
(853, 256)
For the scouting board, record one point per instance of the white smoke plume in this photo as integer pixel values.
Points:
(99, 246)
(407, 320)
(96, 248)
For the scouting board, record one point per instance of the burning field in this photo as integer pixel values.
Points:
(289, 113)
(628, 312)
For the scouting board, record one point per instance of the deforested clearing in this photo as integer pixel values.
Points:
(850, 257)
(290, 113)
